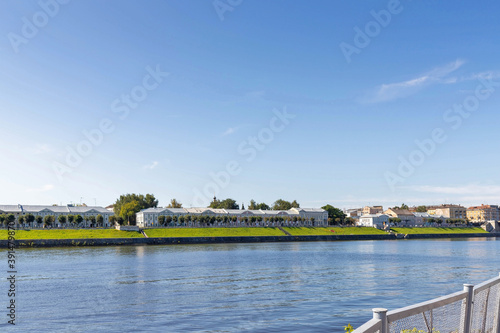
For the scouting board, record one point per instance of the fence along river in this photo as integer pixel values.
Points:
(255, 287)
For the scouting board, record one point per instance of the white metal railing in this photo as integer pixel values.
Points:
(473, 310)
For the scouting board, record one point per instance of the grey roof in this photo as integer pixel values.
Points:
(54, 209)
(203, 210)
(373, 215)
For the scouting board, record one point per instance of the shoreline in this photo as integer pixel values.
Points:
(27, 243)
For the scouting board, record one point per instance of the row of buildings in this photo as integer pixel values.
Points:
(150, 217)
(40, 210)
(295, 216)
(376, 216)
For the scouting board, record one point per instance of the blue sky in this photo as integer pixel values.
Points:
(250, 100)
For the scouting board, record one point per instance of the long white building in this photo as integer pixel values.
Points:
(308, 216)
(40, 210)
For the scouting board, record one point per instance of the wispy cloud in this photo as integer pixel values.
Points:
(44, 188)
(469, 190)
(151, 166)
(42, 148)
(391, 91)
(229, 131)
(487, 75)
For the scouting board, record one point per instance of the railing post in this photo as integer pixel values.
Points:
(468, 308)
(497, 319)
(380, 313)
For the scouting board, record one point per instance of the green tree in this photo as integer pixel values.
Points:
(403, 206)
(100, 220)
(20, 219)
(168, 219)
(256, 206)
(144, 202)
(30, 218)
(128, 211)
(253, 205)
(2, 218)
(112, 220)
(295, 204)
(334, 214)
(350, 221)
(422, 209)
(10, 218)
(71, 219)
(161, 220)
(39, 219)
(61, 219)
(47, 220)
(224, 204)
(281, 204)
(78, 219)
(174, 204)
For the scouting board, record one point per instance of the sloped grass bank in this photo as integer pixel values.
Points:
(71, 234)
(471, 230)
(213, 232)
(320, 231)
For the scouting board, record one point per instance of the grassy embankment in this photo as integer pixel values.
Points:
(315, 231)
(71, 234)
(213, 232)
(224, 232)
(471, 230)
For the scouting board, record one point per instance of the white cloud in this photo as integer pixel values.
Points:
(44, 188)
(469, 190)
(391, 91)
(151, 166)
(230, 131)
(42, 148)
(487, 75)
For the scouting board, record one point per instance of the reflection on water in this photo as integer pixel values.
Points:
(271, 287)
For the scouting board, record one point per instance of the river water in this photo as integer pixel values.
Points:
(267, 287)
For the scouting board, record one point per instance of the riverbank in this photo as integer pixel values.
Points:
(232, 239)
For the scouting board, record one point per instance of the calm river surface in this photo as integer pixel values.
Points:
(269, 287)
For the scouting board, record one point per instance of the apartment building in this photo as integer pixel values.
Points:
(483, 213)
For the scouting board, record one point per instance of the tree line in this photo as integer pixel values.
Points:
(211, 219)
(49, 220)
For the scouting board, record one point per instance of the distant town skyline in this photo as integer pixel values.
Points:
(340, 103)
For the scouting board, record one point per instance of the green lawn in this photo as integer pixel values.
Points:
(299, 231)
(71, 234)
(472, 230)
(212, 232)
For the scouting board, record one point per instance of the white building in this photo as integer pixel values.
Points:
(39, 210)
(310, 216)
(373, 220)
